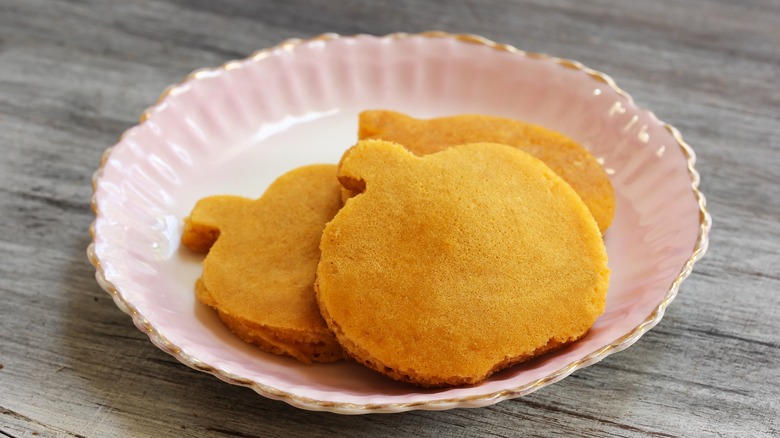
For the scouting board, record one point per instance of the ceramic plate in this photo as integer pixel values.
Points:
(234, 129)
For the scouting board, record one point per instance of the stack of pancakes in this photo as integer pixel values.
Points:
(437, 252)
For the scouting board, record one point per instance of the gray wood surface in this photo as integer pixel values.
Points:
(74, 75)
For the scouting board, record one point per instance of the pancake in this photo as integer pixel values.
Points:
(262, 257)
(444, 269)
(564, 156)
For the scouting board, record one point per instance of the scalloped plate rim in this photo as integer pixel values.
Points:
(705, 222)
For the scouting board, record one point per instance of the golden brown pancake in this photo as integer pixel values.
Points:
(447, 268)
(567, 158)
(262, 258)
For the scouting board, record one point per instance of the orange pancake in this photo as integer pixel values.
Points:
(446, 268)
(262, 258)
(567, 158)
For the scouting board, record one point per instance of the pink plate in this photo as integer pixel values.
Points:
(234, 129)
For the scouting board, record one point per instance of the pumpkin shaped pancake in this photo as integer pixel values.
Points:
(568, 159)
(446, 268)
(262, 258)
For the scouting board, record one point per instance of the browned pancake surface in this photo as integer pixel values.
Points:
(449, 267)
(262, 257)
(567, 158)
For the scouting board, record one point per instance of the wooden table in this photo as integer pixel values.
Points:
(74, 75)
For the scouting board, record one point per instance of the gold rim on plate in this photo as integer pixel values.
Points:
(705, 223)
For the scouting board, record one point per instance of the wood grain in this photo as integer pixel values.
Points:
(74, 75)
